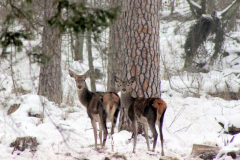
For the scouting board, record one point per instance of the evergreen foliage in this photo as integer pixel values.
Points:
(77, 17)
(81, 17)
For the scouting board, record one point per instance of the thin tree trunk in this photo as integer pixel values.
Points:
(211, 6)
(50, 84)
(78, 48)
(161, 5)
(90, 61)
(15, 87)
(203, 4)
(115, 43)
(172, 6)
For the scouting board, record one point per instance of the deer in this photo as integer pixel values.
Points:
(148, 111)
(102, 107)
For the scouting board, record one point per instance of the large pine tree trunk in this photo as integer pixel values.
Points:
(50, 84)
(141, 49)
(140, 53)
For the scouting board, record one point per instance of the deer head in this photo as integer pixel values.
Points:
(124, 86)
(80, 79)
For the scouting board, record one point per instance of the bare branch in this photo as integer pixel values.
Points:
(228, 12)
(27, 18)
(178, 115)
(184, 128)
(196, 9)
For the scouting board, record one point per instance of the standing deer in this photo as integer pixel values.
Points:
(147, 111)
(101, 107)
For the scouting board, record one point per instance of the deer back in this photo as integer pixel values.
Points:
(111, 103)
(150, 108)
(160, 106)
(94, 104)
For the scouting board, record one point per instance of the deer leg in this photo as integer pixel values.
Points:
(145, 128)
(100, 133)
(135, 129)
(103, 118)
(160, 131)
(112, 132)
(105, 132)
(154, 132)
(94, 131)
(113, 126)
(114, 121)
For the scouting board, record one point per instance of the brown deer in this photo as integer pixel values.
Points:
(101, 107)
(147, 111)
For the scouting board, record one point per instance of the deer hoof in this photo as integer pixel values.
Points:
(163, 153)
(96, 149)
(104, 147)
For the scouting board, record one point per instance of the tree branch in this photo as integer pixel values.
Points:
(228, 12)
(19, 10)
(196, 9)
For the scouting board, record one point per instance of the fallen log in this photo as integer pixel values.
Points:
(204, 151)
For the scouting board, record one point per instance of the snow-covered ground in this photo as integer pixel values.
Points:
(66, 133)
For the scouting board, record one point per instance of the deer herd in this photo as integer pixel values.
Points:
(103, 107)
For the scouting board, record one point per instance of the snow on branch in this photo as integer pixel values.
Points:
(195, 7)
(228, 12)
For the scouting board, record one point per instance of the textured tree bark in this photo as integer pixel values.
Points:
(141, 47)
(140, 51)
(50, 84)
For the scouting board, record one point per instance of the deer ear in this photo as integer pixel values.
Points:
(131, 80)
(71, 73)
(88, 73)
(117, 80)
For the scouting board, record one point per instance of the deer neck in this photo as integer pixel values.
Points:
(126, 99)
(84, 96)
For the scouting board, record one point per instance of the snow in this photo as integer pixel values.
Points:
(65, 132)
(56, 137)
(233, 120)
